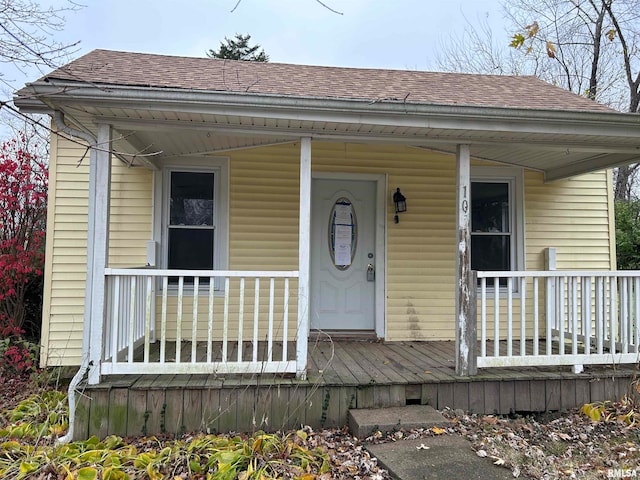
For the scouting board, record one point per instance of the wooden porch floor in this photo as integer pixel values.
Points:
(341, 375)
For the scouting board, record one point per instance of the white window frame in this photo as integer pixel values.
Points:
(219, 166)
(514, 177)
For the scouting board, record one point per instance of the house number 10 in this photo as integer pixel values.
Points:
(465, 202)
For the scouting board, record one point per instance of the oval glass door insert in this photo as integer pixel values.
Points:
(343, 233)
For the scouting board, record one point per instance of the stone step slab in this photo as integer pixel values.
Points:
(364, 421)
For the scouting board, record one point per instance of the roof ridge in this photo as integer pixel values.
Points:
(308, 65)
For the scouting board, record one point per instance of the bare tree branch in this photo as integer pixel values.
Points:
(329, 8)
(318, 1)
(72, 139)
(235, 6)
(591, 47)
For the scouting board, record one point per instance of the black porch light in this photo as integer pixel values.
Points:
(400, 203)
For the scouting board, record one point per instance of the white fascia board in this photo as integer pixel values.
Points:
(392, 113)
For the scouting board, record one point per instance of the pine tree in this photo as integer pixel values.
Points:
(238, 48)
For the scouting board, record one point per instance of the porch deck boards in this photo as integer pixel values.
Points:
(341, 375)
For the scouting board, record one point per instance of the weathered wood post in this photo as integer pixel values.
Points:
(466, 287)
(98, 240)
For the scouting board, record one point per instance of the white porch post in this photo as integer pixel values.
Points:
(465, 280)
(304, 258)
(98, 244)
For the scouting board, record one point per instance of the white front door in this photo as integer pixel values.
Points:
(343, 215)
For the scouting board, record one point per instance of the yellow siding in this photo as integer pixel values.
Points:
(573, 215)
(130, 221)
(65, 268)
(66, 248)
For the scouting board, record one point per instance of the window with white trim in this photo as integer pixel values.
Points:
(496, 220)
(194, 217)
(191, 227)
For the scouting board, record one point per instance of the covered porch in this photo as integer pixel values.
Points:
(591, 316)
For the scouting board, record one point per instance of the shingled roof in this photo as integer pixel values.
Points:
(107, 67)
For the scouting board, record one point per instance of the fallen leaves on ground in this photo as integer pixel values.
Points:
(588, 443)
(567, 445)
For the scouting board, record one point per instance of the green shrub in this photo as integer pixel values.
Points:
(628, 234)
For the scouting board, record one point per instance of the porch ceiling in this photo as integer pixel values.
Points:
(559, 144)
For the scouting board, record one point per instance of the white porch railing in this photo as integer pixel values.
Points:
(558, 318)
(197, 320)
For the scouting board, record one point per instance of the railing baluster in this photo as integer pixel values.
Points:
(624, 325)
(574, 315)
(550, 310)
(630, 331)
(586, 293)
(510, 317)
(179, 320)
(147, 319)
(163, 320)
(496, 317)
(132, 318)
(194, 319)
(240, 319)
(140, 307)
(256, 319)
(115, 319)
(613, 313)
(536, 317)
(225, 320)
(123, 315)
(523, 317)
(561, 314)
(285, 320)
(630, 300)
(210, 320)
(109, 316)
(600, 316)
(483, 317)
(270, 328)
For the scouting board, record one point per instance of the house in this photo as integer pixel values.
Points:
(207, 216)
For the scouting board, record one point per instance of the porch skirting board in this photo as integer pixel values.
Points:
(341, 376)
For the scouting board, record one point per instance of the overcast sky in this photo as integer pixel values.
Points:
(369, 33)
(403, 34)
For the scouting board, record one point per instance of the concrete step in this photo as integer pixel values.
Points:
(445, 456)
(364, 421)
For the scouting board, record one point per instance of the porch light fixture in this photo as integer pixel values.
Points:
(400, 203)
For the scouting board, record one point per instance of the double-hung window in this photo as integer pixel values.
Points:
(496, 220)
(191, 225)
(194, 227)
